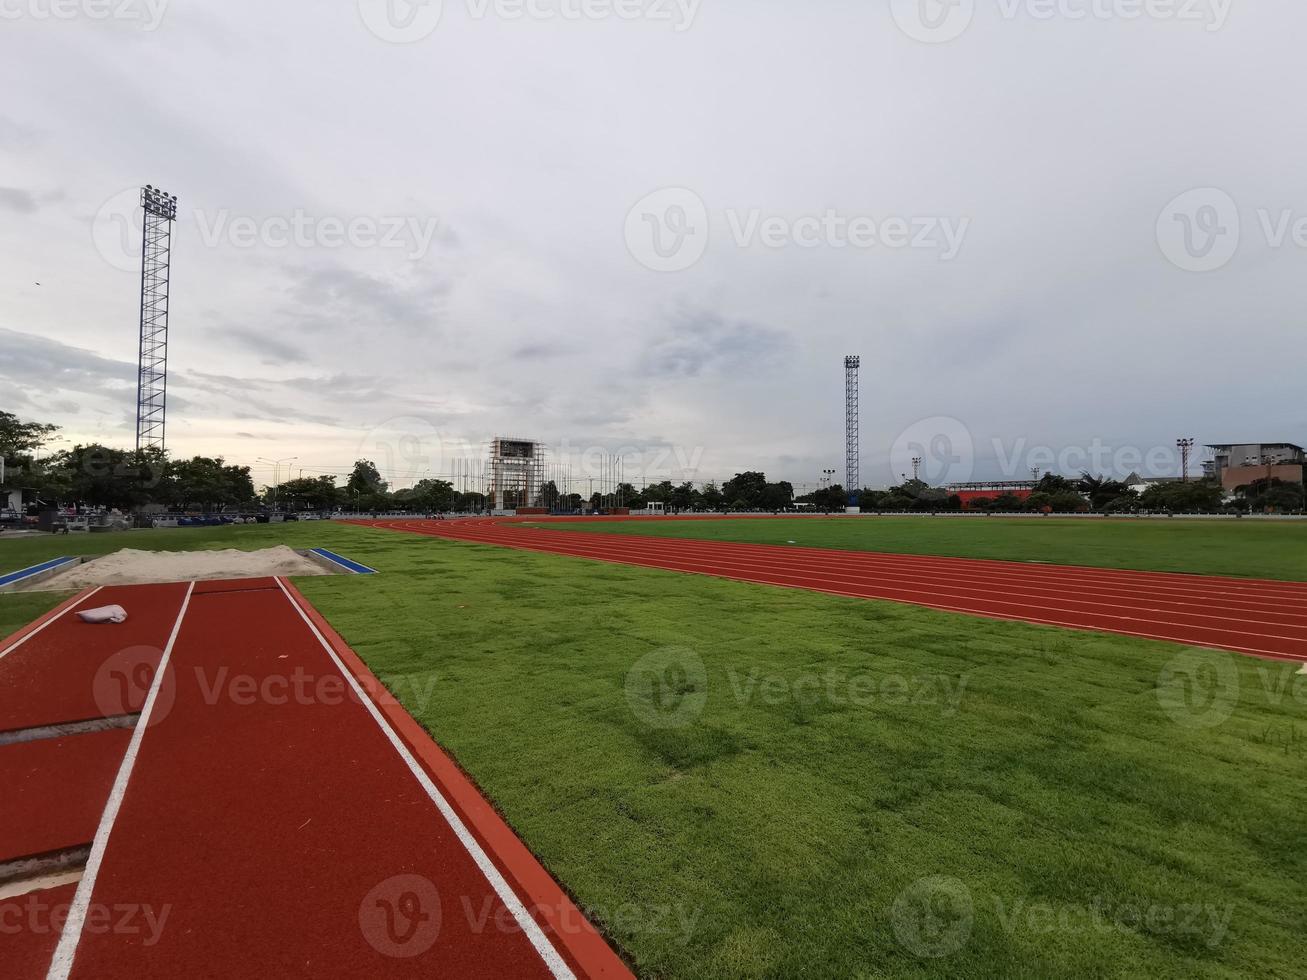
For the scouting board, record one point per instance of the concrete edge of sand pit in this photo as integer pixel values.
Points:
(37, 573)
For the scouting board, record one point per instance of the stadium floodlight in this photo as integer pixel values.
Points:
(152, 362)
(1185, 446)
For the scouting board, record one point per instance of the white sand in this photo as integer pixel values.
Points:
(132, 567)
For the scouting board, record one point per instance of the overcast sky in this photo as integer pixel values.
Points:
(657, 226)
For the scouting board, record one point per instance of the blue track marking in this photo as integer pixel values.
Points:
(23, 573)
(343, 562)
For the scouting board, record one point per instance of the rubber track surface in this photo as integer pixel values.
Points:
(269, 823)
(75, 671)
(55, 789)
(1259, 617)
(31, 925)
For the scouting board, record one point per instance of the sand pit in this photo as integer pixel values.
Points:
(132, 567)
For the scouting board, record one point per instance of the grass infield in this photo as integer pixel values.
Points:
(745, 781)
(1251, 549)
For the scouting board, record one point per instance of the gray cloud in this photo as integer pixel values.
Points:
(17, 200)
(1060, 321)
(270, 350)
(39, 364)
(703, 342)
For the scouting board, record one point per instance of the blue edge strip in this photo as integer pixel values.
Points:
(340, 560)
(23, 573)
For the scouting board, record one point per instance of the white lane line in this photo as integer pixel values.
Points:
(69, 608)
(506, 894)
(62, 964)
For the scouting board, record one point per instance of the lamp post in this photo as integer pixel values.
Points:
(276, 473)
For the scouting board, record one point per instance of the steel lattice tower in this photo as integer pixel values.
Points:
(152, 373)
(852, 469)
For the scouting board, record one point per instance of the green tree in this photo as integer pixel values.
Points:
(19, 439)
(1052, 483)
(684, 496)
(747, 488)
(1195, 497)
(1057, 502)
(100, 476)
(1102, 491)
(777, 496)
(366, 487)
(205, 482)
(309, 493)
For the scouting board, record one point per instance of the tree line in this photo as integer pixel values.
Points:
(95, 475)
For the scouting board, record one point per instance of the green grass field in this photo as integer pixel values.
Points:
(742, 781)
(1256, 549)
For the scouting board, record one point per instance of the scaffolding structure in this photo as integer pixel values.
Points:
(852, 467)
(152, 365)
(515, 469)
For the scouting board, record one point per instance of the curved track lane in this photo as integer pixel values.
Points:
(1252, 616)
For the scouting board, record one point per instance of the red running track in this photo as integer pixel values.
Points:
(276, 812)
(1252, 616)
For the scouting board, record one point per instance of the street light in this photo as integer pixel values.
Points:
(276, 473)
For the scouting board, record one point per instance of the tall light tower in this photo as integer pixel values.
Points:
(152, 371)
(1185, 446)
(852, 469)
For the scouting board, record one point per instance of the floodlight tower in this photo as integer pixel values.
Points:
(152, 366)
(1186, 447)
(852, 469)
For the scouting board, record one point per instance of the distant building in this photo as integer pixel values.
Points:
(969, 493)
(1239, 464)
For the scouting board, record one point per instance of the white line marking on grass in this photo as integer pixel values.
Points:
(70, 607)
(506, 894)
(62, 963)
